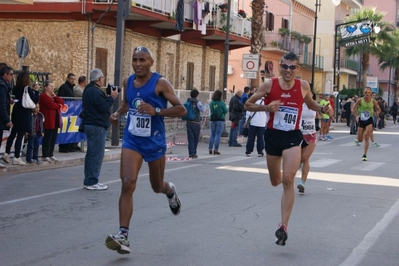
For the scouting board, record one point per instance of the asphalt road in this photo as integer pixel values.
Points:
(347, 216)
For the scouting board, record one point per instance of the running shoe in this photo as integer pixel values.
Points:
(6, 158)
(97, 186)
(118, 242)
(301, 188)
(174, 201)
(357, 143)
(281, 234)
(375, 144)
(364, 158)
(328, 137)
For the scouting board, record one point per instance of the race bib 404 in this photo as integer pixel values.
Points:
(285, 118)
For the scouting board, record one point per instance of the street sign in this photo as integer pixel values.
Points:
(372, 82)
(357, 41)
(250, 62)
(250, 75)
(22, 47)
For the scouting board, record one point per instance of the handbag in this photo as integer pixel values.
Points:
(26, 100)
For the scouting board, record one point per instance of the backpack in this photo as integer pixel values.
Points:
(191, 114)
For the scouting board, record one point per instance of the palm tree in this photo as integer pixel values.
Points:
(258, 7)
(378, 41)
(390, 58)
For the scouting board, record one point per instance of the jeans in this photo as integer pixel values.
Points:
(96, 137)
(233, 135)
(193, 133)
(48, 142)
(216, 131)
(32, 151)
(241, 125)
(260, 142)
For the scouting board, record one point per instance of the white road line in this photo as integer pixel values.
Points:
(323, 163)
(367, 166)
(358, 253)
(73, 189)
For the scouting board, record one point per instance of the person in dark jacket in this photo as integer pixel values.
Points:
(50, 107)
(394, 111)
(21, 118)
(236, 109)
(66, 90)
(6, 74)
(95, 114)
(194, 126)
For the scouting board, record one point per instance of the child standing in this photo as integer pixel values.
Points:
(37, 131)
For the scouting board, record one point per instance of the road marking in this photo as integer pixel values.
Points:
(358, 253)
(367, 166)
(323, 163)
(74, 189)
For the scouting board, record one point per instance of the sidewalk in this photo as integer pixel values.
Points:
(176, 141)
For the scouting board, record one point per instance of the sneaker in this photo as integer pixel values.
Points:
(2, 166)
(38, 161)
(281, 234)
(97, 186)
(47, 159)
(118, 243)
(328, 137)
(30, 162)
(6, 158)
(364, 158)
(54, 159)
(375, 144)
(301, 188)
(18, 161)
(174, 202)
(357, 143)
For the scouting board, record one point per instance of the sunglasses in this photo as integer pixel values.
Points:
(292, 67)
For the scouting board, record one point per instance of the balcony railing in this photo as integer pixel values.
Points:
(216, 19)
(286, 43)
(307, 59)
(349, 64)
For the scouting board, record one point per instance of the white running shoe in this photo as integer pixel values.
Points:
(97, 186)
(2, 166)
(54, 159)
(6, 158)
(47, 159)
(18, 161)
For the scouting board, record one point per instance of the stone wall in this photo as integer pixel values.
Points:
(61, 47)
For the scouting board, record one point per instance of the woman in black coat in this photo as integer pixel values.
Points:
(21, 118)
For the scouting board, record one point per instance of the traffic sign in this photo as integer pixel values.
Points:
(250, 75)
(22, 47)
(250, 62)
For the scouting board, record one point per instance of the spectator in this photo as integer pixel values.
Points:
(37, 131)
(6, 74)
(218, 110)
(194, 126)
(243, 99)
(66, 90)
(50, 106)
(235, 114)
(78, 88)
(348, 112)
(257, 126)
(95, 119)
(21, 118)
(394, 111)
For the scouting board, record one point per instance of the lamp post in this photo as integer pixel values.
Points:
(318, 5)
(226, 50)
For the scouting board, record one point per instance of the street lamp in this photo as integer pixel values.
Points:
(226, 50)
(318, 4)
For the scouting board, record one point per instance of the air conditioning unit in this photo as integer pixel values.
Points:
(229, 70)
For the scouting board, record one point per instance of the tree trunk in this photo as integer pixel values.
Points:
(258, 7)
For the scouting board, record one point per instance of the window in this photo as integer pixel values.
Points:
(190, 76)
(212, 73)
(285, 23)
(101, 61)
(269, 21)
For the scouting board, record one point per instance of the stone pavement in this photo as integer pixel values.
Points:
(177, 150)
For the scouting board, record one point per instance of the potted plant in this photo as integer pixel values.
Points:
(284, 31)
(306, 39)
(274, 44)
(296, 35)
(242, 13)
(223, 7)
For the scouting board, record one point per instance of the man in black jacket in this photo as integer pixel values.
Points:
(6, 74)
(236, 109)
(95, 119)
(66, 90)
